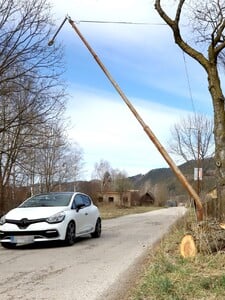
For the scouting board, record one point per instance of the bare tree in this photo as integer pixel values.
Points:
(192, 138)
(72, 164)
(102, 172)
(49, 157)
(52, 162)
(207, 22)
(161, 194)
(121, 183)
(31, 93)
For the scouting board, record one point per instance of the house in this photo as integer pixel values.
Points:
(147, 199)
(127, 198)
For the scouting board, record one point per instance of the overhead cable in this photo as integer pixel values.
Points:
(118, 22)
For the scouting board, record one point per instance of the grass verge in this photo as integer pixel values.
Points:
(109, 210)
(169, 276)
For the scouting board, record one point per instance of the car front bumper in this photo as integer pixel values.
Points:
(40, 232)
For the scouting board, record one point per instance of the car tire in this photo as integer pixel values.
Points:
(70, 234)
(98, 229)
(9, 245)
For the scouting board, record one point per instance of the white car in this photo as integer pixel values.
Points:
(50, 217)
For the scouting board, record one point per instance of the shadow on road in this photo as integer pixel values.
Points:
(46, 245)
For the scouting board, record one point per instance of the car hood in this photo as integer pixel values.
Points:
(33, 213)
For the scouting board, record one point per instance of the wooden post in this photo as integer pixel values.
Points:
(161, 149)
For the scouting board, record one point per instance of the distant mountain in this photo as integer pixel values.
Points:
(166, 177)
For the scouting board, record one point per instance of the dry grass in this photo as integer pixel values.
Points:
(109, 210)
(168, 276)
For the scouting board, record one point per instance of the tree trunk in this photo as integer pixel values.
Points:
(219, 136)
(2, 199)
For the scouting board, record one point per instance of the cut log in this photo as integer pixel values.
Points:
(209, 236)
(222, 225)
(187, 247)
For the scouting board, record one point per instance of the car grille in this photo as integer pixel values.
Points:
(51, 233)
(24, 223)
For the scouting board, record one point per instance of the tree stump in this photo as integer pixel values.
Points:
(187, 247)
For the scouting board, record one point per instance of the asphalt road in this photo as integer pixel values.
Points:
(93, 269)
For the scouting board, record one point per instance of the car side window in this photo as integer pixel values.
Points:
(78, 201)
(86, 200)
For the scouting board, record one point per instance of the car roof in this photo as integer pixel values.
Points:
(68, 193)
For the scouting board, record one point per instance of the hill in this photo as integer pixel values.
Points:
(165, 178)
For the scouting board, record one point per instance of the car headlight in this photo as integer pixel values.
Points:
(57, 218)
(2, 220)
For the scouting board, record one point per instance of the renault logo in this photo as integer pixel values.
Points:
(24, 223)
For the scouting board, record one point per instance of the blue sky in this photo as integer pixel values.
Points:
(149, 68)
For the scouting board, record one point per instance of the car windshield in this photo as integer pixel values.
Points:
(51, 199)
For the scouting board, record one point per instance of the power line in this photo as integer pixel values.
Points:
(188, 81)
(119, 22)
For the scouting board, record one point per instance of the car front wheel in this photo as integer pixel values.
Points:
(98, 229)
(70, 234)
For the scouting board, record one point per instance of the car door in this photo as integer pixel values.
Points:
(91, 214)
(81, 215)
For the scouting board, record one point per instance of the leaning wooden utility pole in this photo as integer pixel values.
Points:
(161, 149)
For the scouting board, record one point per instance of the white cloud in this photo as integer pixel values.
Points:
(126, 10)
(106, 129)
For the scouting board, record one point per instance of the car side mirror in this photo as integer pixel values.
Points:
(79, 206)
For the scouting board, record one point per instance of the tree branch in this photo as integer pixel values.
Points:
(174, 25)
